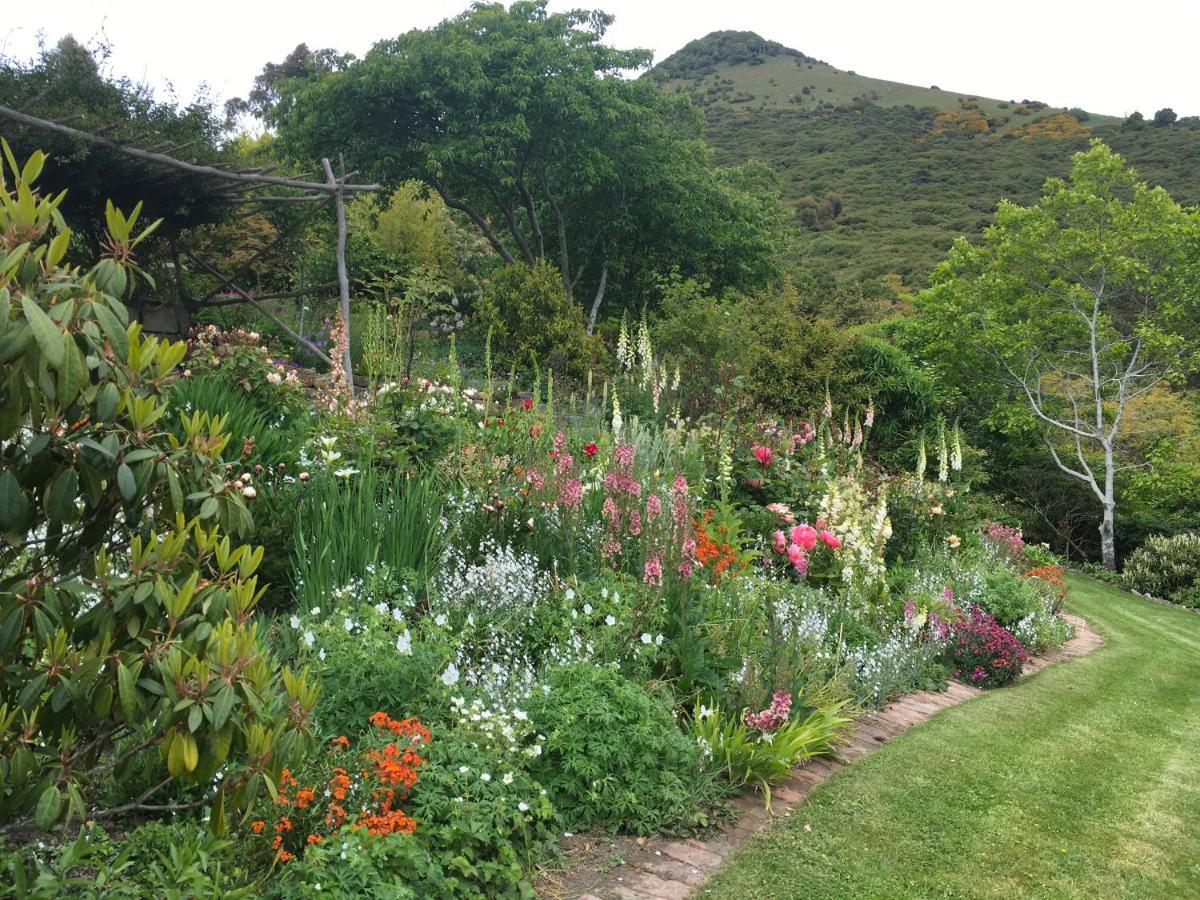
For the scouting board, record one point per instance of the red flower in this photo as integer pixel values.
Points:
(528, 403)
(590, 449)
(763, 455)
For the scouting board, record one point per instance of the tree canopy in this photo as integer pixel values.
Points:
(521, 121)
(67, 82)
(1070, 309)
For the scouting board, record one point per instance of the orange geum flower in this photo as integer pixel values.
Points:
(257, 826)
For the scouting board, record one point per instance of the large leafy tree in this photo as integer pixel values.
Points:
(521, 120)
(1068, 311)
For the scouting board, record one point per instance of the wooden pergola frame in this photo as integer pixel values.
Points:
(334, 188)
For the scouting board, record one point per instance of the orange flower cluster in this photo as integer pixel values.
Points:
(1051, 574)
(716, 554)
(374, 783)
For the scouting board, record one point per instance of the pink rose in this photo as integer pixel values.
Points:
(805, 536)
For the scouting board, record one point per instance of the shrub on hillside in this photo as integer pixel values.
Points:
(532, 321)
(1166, 567)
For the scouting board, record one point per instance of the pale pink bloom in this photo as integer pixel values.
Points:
(653, 507)
(795, 555)
(563, 464)
(623, 455)
(780, 541)
(635, 523)
(652, 571)
(571, 494)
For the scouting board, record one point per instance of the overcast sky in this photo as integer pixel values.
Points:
(1103, 56)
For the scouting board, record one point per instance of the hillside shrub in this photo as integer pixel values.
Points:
(1167, 567)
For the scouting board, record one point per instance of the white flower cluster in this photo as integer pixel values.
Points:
(805, 623)
(503, 729)
(888, 667)
(504, 583)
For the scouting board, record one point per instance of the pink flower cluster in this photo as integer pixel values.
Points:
(1006, 539)
(637, 530)
(773, 716)
(804, 435)
(984, 652)
(799, 541)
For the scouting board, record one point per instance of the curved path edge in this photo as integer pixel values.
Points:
(617, 867)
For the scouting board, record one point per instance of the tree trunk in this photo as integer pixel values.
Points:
(1108, 551)
(591, 324)
(342, 274)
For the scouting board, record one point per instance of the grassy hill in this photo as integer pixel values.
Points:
(884, 176)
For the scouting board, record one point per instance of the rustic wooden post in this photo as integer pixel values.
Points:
(339, 199)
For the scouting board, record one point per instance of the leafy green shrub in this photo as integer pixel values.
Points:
(531, 318)
(1010, 598)
(154, 860)
(614, 756)
(354, 863)
(363, 672)
(1165, 567)
(126, 619)
(484, 819)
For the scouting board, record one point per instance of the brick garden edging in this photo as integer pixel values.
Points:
(615, 867)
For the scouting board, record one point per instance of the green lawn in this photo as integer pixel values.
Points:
(1083, 781)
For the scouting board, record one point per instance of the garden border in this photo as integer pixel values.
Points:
(619, 867)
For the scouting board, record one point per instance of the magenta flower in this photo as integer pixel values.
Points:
(831, 540)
